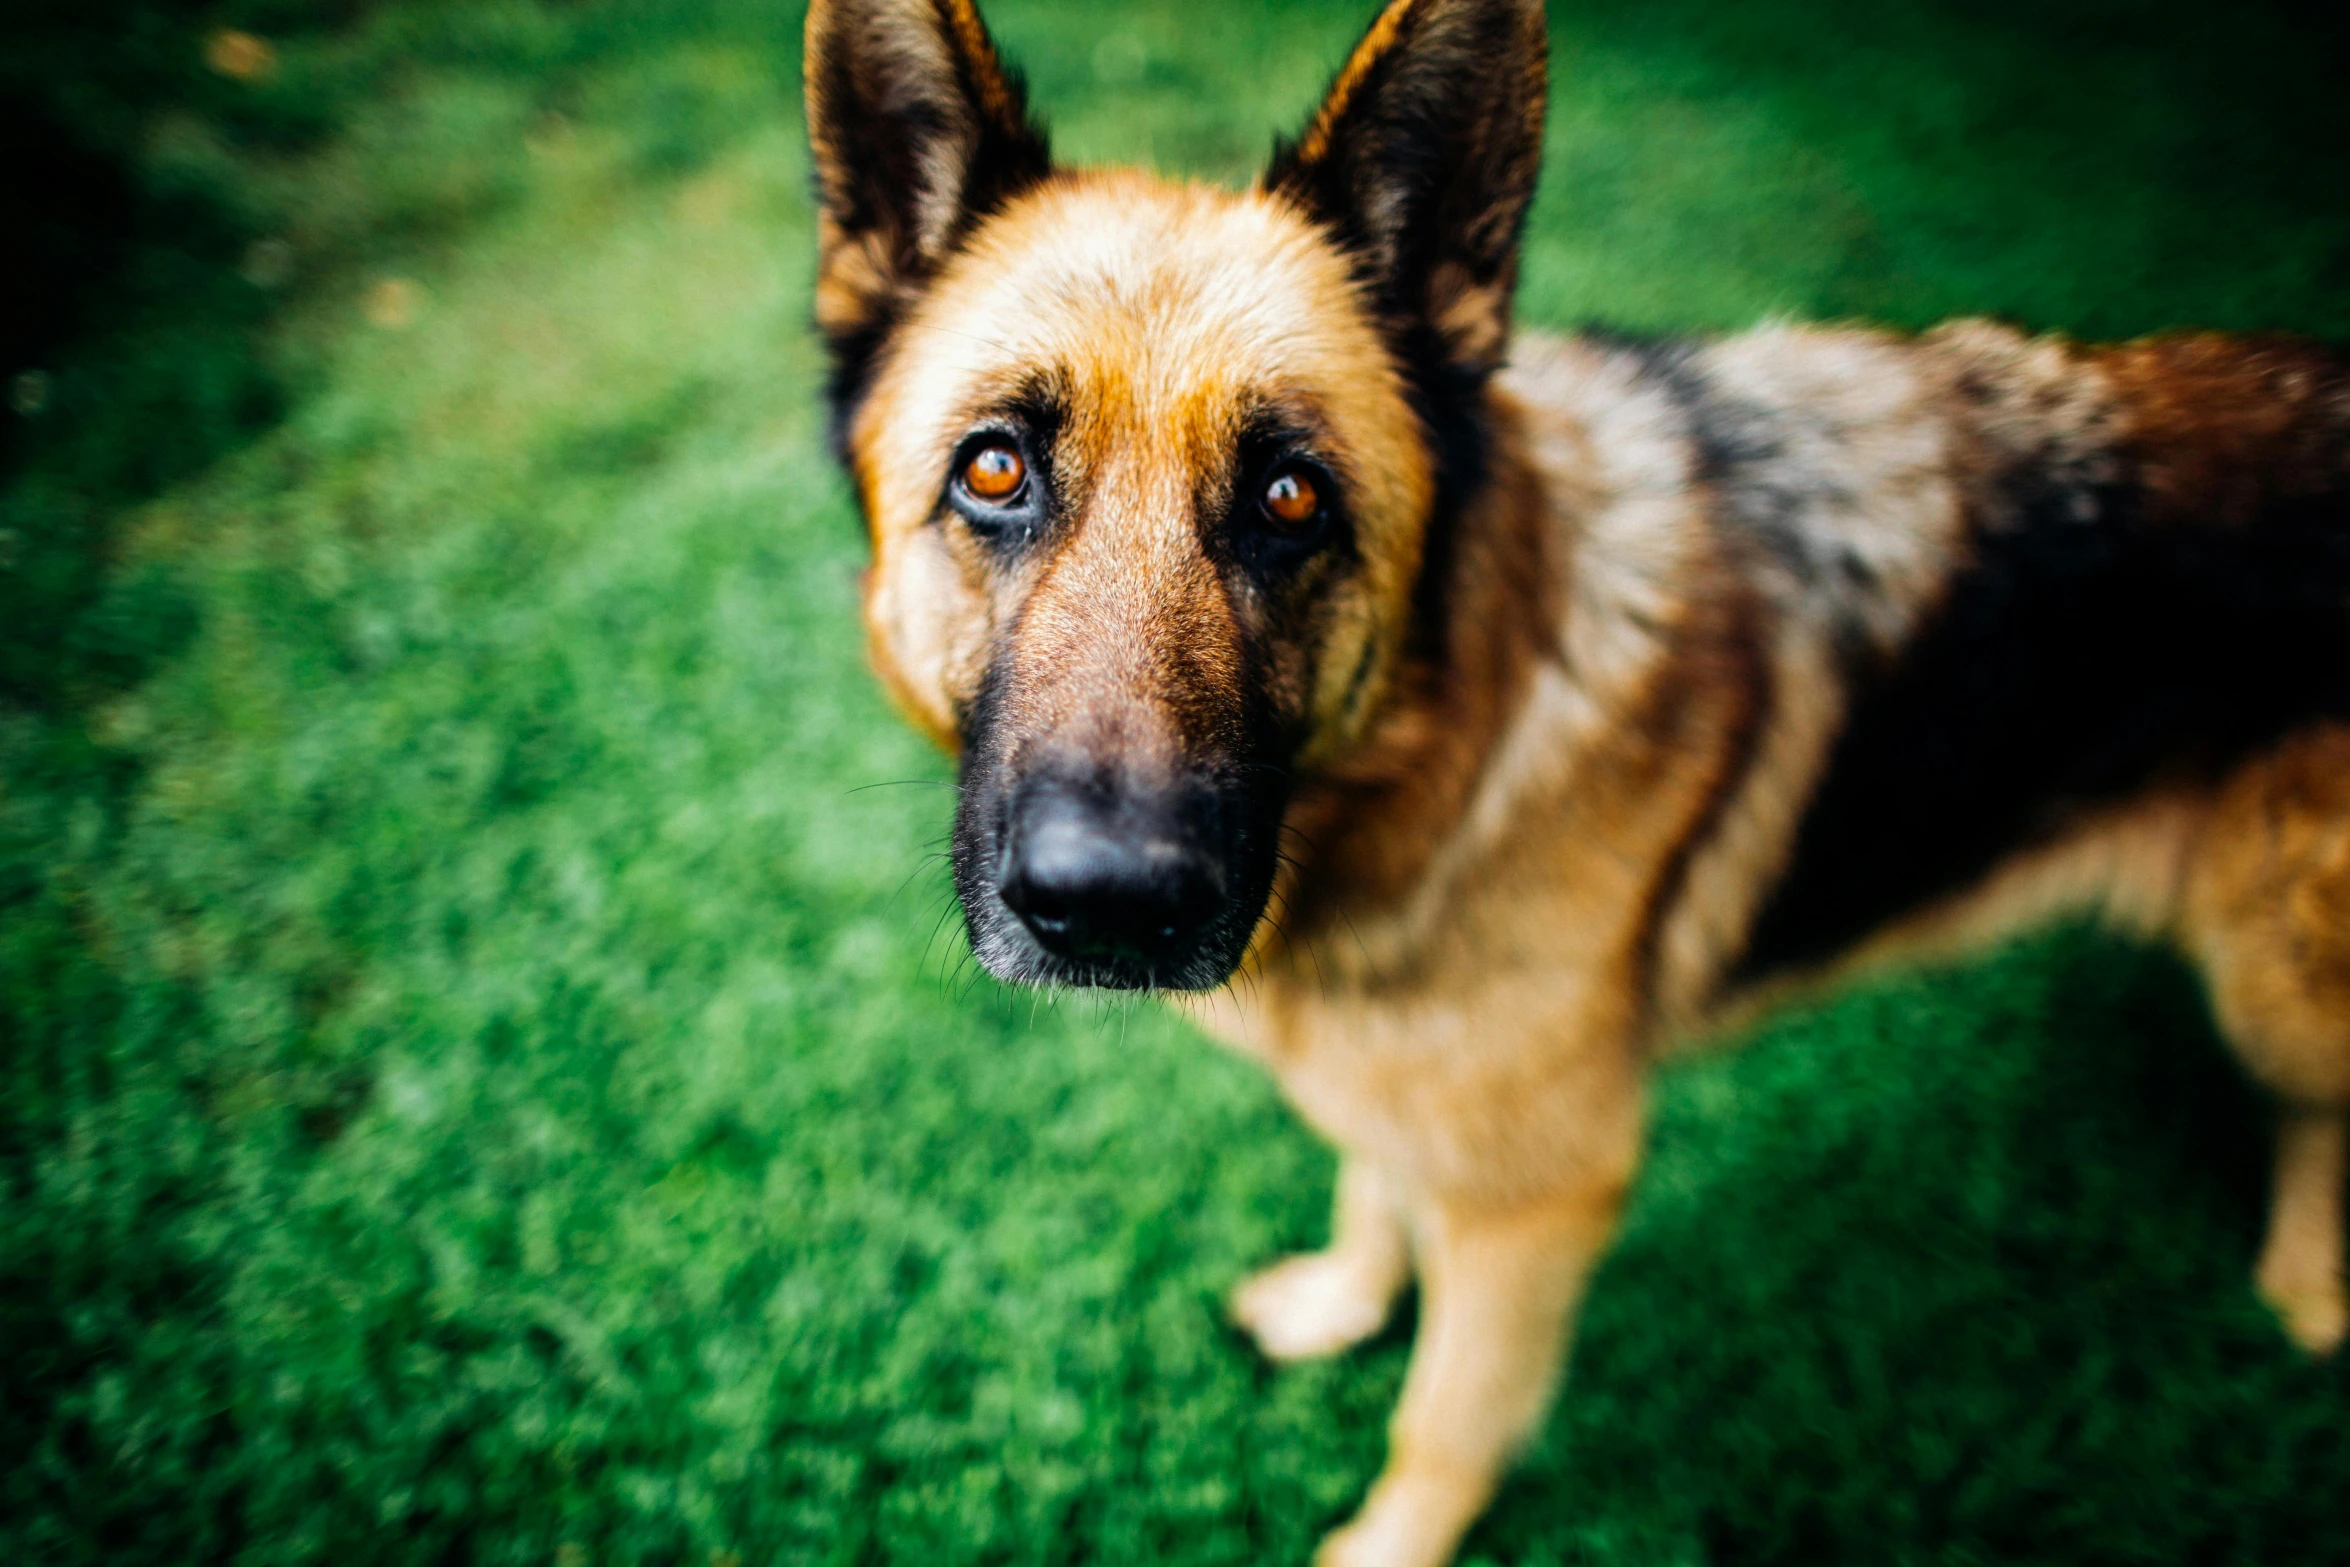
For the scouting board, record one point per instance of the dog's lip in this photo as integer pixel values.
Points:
(1035, 965)
(1097, 976)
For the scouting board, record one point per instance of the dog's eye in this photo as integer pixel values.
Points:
(995, 472)
(1291, 502)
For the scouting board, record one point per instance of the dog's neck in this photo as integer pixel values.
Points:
(1550, 738)
(1366, 833)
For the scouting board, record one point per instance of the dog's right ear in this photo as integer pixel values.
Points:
(918, 130)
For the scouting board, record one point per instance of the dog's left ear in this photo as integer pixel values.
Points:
(918, 131)
(1422, 160)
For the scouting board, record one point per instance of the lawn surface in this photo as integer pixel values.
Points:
(486, 1080)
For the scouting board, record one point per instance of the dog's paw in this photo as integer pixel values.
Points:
(2316, 1318)
(1312, 1305)
(1408, 1520)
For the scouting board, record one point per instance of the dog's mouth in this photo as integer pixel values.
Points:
(1069, 879)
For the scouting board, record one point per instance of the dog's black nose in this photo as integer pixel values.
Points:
(1108, 878)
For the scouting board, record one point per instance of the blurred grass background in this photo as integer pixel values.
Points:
(485, 1081)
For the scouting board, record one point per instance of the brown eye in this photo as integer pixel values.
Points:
(1291, 501)
(994, 473)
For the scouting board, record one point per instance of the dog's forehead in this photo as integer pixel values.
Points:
(1160, 317)
(1148, 296)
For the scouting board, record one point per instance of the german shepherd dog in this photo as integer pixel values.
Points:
(1558, 697)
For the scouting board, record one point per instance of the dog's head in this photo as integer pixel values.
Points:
(1152, 471)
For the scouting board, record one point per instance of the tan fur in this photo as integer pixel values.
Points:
(1346, 88)
(1531, 830)
(2266, 911)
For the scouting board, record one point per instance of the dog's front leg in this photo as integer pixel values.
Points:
(1498, 1290)
(1320, 1302)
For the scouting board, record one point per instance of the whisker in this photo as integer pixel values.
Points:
(920, 866)
(936, 926)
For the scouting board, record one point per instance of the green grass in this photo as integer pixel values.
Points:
(485, 1080)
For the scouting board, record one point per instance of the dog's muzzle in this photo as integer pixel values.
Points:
(1077, 879)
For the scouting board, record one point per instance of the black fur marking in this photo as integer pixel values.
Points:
(2086, 653)
(1762, 495)
(1031, 420)
(1739, 448)
(854, 356)
(1360, 681)
(1450, 405)
(874, 156)
(1277, 585)
(1431, 159)
(1237, 535)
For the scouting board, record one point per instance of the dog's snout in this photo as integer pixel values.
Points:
(1099, 878)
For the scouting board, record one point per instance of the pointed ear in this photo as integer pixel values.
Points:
(1422, 160)
(917, 131)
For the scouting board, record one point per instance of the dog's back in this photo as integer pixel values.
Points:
(2022, 582)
